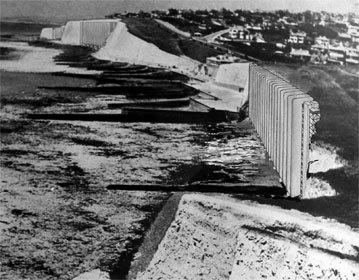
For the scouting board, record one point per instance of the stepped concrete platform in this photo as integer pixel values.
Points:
(221, 98)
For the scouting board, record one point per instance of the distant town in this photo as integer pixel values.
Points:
(282, 36)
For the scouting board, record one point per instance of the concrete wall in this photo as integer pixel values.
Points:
(92, 33)
(58, 32)
(284, 118)
(72, 33)
(95, 33)
(47, 33)
(122, 46)
(52, 33)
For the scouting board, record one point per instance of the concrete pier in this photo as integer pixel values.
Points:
(284, 117)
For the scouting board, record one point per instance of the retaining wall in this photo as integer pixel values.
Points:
(95, 33)
(52, 33)
(284, 118)
(92, 33)
(46, 33)
(122, 46)
(72, 33)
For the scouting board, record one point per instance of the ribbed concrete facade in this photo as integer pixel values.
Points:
(92, 33)
(52, 33)
(95, 33)
(284, 118)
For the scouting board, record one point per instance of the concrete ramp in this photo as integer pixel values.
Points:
(233, 75)
(284, 118)
(229, 88)
(125, 47)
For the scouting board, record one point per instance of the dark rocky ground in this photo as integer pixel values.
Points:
(57, 218)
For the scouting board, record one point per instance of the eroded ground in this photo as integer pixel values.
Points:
(215, 237)
(57, 217)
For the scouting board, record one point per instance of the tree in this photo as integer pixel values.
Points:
(307, 16)
(173, 12)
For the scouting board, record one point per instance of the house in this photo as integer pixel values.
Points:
(299, 53)
(297, 37)
(236, 32)
(322, 41)
(222, 59)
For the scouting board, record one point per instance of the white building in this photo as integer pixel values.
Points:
(322, 41)
(297, 37)
(235, 31)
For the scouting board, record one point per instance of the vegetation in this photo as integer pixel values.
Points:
(152, 32)
(319, 30)
(197, 51)
(332, 87)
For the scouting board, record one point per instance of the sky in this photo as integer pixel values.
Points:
(59, 10)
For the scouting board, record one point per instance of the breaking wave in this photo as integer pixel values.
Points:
(317, 188)
(323, 158)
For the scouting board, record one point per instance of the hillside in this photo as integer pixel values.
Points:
(152, 32)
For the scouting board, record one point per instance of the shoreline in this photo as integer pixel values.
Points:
(55, 169)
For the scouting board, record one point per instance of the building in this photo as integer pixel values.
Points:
(222, 59)
(300, 53)
(236, 31)
(297, 37)
(322, 41)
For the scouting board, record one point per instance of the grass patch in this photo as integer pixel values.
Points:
(197, 51)
(153, 32)
(332, 87)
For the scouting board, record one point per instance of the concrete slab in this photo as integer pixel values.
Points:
(227, 99)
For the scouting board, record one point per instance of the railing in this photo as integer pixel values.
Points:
(284, 117)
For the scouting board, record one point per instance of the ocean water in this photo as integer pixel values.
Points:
(62, 10)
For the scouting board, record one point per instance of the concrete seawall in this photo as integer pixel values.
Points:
(52, 33)
(93, 33)
(115, 43)
(284, 118)
(125, 47)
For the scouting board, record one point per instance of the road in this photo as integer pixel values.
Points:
(211, 37)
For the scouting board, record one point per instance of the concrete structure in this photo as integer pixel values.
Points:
(221, 59)
(52, 33)
(284, 118)
(322, 41)
(297, 37)
(93, 33)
